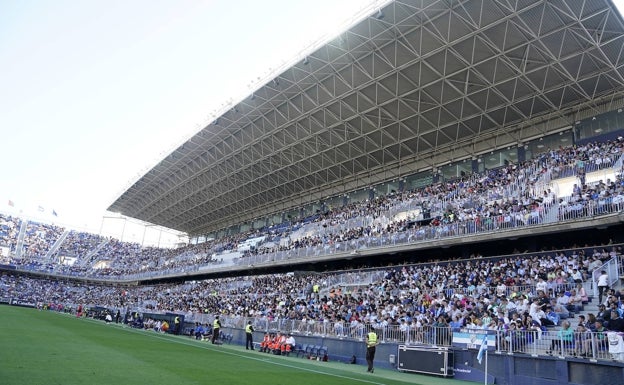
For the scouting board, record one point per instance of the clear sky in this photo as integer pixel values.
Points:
(94, 93)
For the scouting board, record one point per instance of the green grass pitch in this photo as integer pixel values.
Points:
(48, 348)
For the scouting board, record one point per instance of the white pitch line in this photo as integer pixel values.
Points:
(265, 360)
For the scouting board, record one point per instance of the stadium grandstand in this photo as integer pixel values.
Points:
(439, 171)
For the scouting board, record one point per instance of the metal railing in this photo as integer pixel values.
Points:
(509, 339)
(424, 335)
(456, 229)
(561, 343)
(612, 270)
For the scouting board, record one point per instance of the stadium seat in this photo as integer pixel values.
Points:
(300, 349)
(314, 351)
(308, 351)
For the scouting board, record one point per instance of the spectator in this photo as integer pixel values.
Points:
(371, 344)
(616, 323)
(603, 284)
(564, 340)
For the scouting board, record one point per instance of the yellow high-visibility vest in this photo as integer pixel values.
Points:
(372, 339)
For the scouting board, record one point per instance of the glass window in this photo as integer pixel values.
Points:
(547, 143)
(276, 219)
(311, 209)
(599, 125)
(464, 167)
(419, 180)
(259, 223)
(359, 196)
(492, 160)
(334, 202)
(292, 215)
(386, 188)
(449, 171)
(500, 158)
(511, 155)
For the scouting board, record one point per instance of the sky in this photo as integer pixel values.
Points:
(94, 93)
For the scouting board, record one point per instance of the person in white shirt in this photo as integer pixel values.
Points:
(561, 310)
(290, 340)
(577, 277)
(541, 285)
(594, 264)
(521, 305)
(575, 302)
(580, 290)
(536, 312)
(534, 307)
(501, 289)
(603, 284)
(510, 308)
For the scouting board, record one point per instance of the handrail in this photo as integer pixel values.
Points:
(612, 270)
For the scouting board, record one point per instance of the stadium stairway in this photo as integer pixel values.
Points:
(542, 345)
(552, 215)
(56, 246)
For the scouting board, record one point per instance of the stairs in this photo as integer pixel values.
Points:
(552, 215)
(53, 250)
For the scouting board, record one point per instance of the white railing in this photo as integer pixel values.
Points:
(612, 270)
(572, 211)
(510, 338)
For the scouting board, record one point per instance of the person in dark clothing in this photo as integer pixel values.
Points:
(604, 314)
(216, 327)
(616, 323)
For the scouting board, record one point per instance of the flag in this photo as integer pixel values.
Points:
(482, 349)
(41, 209)
(54, 213)
(11, 203)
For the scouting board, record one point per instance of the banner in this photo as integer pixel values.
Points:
(473, 339)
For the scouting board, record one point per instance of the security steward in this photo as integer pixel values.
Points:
(216, 327)
(249, 329)
(371, 343)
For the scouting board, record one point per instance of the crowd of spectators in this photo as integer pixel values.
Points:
(474, 293)
(499, 198)
(513, 195)
(9, 230)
